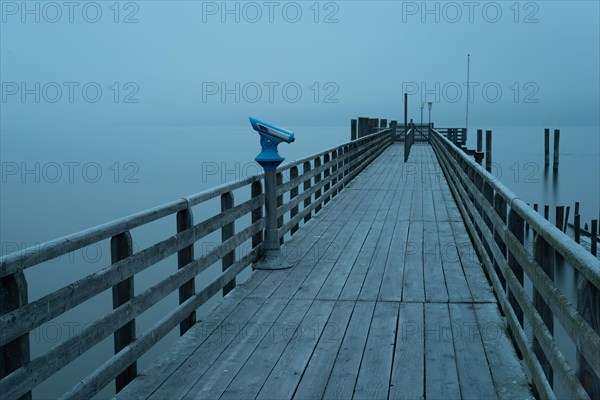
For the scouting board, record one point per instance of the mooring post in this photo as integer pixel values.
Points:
(566, 223)
(546, 147)
(405, 112)
(556, 147)
(577, 225)
(488, 150)
(352, 129)
(363, 126)
(560, 210)
(383, 123)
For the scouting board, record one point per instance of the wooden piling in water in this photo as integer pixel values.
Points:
(479, 140)
(577, 227)
(405, 112)
(546, 211)
(560, 210)
(546, 147)
(556, 148)
(488, 151)
(594, 237)
(353, 127)
(566, 221)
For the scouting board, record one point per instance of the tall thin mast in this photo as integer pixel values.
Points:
(468, 71)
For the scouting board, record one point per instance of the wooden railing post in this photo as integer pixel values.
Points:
(293, 193)
(307, 201)
(257, 213)
(334, 168)
(227, 231)
(14, 355)
(544, 256)
(279, 180)
(517, 226)
(500, 207)
(488, 151)
(185, 220)
(317, 180)
(588, 305)
(121, 247)
(326, 159)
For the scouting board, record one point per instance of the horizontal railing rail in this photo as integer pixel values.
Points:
(310, 183)
(496, 219)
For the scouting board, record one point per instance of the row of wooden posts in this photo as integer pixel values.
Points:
(562, 223)
(364, 126)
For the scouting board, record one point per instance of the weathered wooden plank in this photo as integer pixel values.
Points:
(472, 365)
(391, 285)
(160, 369)
(327, 248)
(408, 370)
(456, 283)
(433, 272)
(315, 377)
(251, 377)
(510, 381)
(374, 277)
(345, 371)
(352, 273)
(179, 383)
(285, 375)
(413, 285)
(213, 382)
(478, 283)
(349, 243)
(376, 365)
(441, 376)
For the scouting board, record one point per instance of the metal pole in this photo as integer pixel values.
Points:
(272, 246)
(467, 118)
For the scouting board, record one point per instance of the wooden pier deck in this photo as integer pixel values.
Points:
(387, 299)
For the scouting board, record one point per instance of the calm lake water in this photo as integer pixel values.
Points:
(59, 183)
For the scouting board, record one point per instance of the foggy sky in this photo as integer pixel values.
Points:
(531, 62)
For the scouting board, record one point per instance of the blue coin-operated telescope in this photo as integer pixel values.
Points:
(270, 137)
(269, 159)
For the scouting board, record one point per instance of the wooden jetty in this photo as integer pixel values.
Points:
(409, 280)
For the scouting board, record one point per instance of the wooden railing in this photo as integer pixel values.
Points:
(496, 218)
(458, 136)
(323, 175)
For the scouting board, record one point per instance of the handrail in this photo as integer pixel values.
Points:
(495, 218)
(324, 175)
